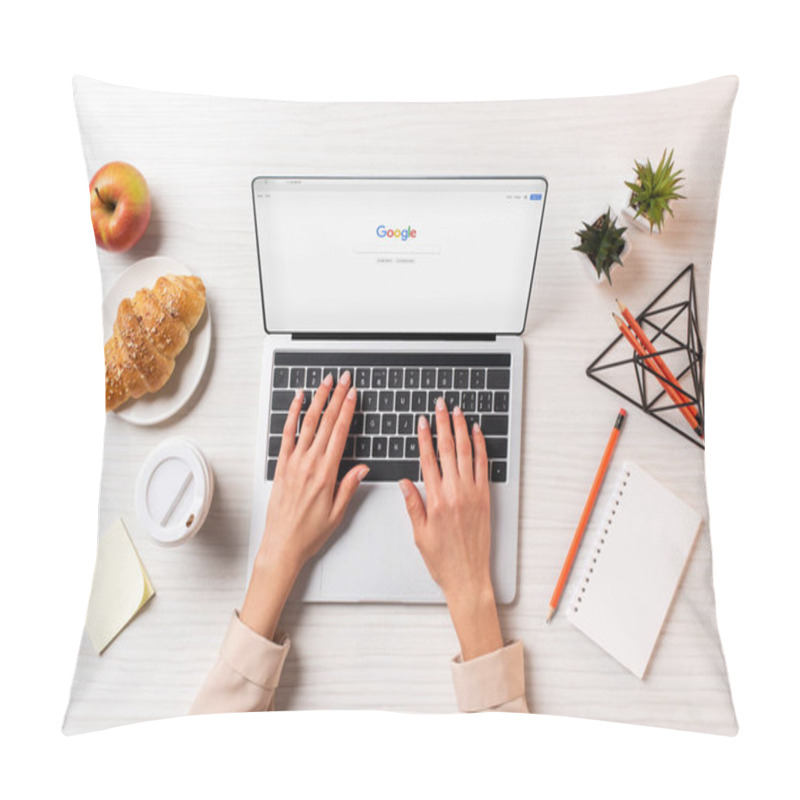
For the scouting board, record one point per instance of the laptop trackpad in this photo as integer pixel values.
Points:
(372, 555)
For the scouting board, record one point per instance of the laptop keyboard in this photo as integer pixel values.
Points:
(394, 391)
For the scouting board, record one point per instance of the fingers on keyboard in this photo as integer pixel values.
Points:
(390, 401)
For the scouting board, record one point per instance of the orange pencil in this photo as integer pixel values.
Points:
(674, 396)
(587, 512)
(648, 345)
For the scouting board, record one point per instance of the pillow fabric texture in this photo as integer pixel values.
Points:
(199, 156)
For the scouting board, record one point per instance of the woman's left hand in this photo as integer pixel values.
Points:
(305, 505)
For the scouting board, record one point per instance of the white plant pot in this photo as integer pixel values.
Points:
(601, 278)
(639, 222)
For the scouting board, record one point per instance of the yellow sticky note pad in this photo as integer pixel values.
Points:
(120, 589)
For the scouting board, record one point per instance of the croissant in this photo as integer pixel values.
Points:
(150, 330)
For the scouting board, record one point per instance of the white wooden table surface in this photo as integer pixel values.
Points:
(199, 156)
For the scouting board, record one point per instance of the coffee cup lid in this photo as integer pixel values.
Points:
(173, 491)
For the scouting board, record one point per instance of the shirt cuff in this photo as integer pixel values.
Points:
(254, 657)
(490, 680)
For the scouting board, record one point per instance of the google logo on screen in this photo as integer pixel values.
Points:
(396, 233)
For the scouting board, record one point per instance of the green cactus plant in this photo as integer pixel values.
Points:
(654, 190)
(602, 242)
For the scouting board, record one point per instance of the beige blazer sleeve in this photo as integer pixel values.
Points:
(248, 669)
(245, 675)
(492, 682)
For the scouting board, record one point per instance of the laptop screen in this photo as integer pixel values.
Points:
(397, 255)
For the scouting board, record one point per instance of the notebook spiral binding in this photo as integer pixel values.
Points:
(586, 579)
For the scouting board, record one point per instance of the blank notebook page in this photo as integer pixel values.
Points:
(633, 570)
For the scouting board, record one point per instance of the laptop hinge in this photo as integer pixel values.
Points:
(414, 337)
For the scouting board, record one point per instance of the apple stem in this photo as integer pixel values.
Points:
(112, 206)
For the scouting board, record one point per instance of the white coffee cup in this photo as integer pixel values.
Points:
(174, 491)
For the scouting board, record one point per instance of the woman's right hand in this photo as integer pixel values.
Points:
(453, 534)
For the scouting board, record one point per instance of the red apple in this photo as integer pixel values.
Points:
(120, 203)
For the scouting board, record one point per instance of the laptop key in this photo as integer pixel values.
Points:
(444, 379)
(496, 447)
(313, 377)
(405, 424)
(369, 401)
(373, 424)
(428, 379)
(349, 447)
(389, 424)
(402, 401)
(276, 423)
(379, 378)
(498, 378)
(386, 401)
(396, 378)
(412, 447)
(468, 400)
(297, 378)
(501, 401)
(411, 380)
(280, 377)
(432, 398)
(451, 400)
(498, 472)
(271, 469)
(477, 379)
(484, 402)
(363, 447)
(472, 419)
(494, 425)
(379, 445)
(461, 379)
(418, 401)
(384, 470)
(362, 378)
(274, 446)
(396, 447)
(282, 399)
(357, 424)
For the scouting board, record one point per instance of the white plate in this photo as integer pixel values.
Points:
(191, 362)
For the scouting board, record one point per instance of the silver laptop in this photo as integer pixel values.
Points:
(420, 287)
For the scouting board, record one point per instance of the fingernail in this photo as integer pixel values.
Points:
(328, 381)
(422, 424)
(351, 395)
(345, 378)
(404, 488)
(362, 473)
(440, 404)
(298, 394)
(476, 428)
(457, 410)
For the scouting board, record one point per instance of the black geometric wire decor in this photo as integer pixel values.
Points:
(670, 322)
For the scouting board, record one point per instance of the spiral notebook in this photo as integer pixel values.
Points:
(636, 562)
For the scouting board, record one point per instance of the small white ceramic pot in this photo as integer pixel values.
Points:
(640, 222)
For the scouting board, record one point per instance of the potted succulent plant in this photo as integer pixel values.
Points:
(652, 192)
(603, 244)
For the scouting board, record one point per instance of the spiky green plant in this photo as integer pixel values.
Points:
(654, 189)
(602, 242)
